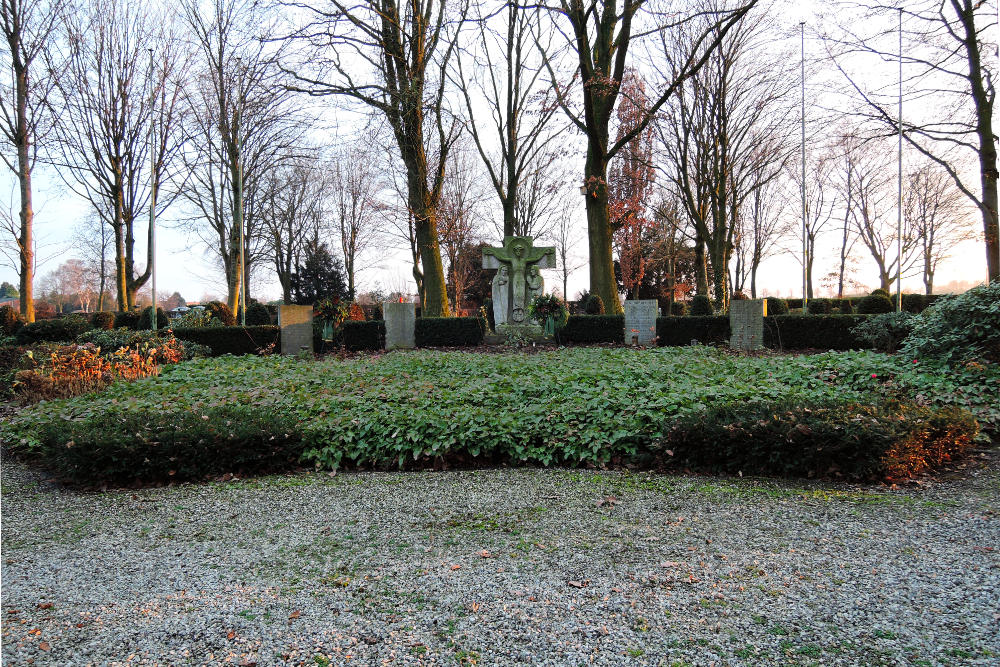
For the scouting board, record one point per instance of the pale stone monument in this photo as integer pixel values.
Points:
(296, 324)
(400, 325)
(518, 278)
(746, 324)
(640, 320)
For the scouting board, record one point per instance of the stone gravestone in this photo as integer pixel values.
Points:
(746, 324)
(518, 279)
(640, 320)
(296, 324)
(400, 325)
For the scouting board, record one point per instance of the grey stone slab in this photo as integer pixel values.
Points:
(400, 325)
(746, 324)
(640, 320)
(296, 324)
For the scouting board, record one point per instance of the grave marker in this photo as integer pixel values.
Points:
(400, 325)
(746, 324)
(296, 324)
(640, 320)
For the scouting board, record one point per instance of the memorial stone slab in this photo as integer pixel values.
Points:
(296, 324)
(640, 320)
(746, 324)
(400, 325)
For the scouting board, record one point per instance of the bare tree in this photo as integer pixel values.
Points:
(761, 228)
(291, 198)
(355, 189)
(932, 208)
(565, 239)
(242, 125)
(108, 98)
(29, 28)
(503, 72)
(600, 36)
(821, 203)
(392, 57)
(93, 241)
(873, 203)
(725, 136)
(458, 223)
(951, 68)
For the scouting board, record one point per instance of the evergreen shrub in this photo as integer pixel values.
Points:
(448, 331)
(59, 330)
(701, 306)
(233, 340)
(874, 304)
(593, 329)
(704, 330)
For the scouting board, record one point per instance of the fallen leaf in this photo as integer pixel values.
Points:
(577, 584)
(45, 605)
(456, 567)
(295, 614)
(608, 500)
(231, 635)
(485, 554)
(44, 646)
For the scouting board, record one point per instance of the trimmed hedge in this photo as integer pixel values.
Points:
(59, 330)
(232, 340)
(362, 336)
(127, 320)
(257, 314)
(822, 332)
(707, 330)
(593, 329)
(103, 320)
(865, 442)
(875, 304)
(221, 312)
(776, 306)
(819, 307)
(448, 331)
(701, 306)
(146, 319)
(10, 321)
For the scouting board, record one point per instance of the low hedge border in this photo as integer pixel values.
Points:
(448, 331)
(593, 329)
(363, 336)
(232, 340)
(785, 332)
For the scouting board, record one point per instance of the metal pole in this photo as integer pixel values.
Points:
(805, 240)
(241, 301)
(899, 183)
(152, 196)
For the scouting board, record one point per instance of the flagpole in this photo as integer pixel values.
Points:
(899, 182)
(805, 238)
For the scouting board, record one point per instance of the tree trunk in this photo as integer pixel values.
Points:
(26, 240)
(700, 267)
(602, 266)
(236, 275)
(987, 148)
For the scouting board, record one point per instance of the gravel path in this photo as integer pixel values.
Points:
(554, 567)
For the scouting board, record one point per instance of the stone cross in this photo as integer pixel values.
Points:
(517, 279)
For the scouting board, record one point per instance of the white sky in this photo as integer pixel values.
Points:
(188, 269)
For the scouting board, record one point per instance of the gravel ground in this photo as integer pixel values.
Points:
(548, 567)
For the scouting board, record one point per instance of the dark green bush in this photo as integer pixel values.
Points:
(127, 320)
(146, 319)
(257, 314)
(60, 329)
(885, 332)
(874, 304)
(221, 312)
(593, 329)
(959, 328)
(10, 321)
(776, 306)
(846, 308)
(103, 320)
(819, 307)
(448, 331)
(813, 332)
(592, 304)
(125, 446)
(678, 331)
(701, 306)
(678, 308)
(914, 303)
(232, 340)
(363, 336)
(881, 292)
(861, 442)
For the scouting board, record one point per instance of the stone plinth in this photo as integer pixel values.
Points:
(296, 324)
(640, 320)
(746, 323)
(400, 325)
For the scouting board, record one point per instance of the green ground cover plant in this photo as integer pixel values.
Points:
(572, 406)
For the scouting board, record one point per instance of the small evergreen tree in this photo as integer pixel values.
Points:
(319, 276)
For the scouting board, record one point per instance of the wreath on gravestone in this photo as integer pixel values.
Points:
(550, 310)
(332, 313)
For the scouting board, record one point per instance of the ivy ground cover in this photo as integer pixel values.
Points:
(571, 406)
